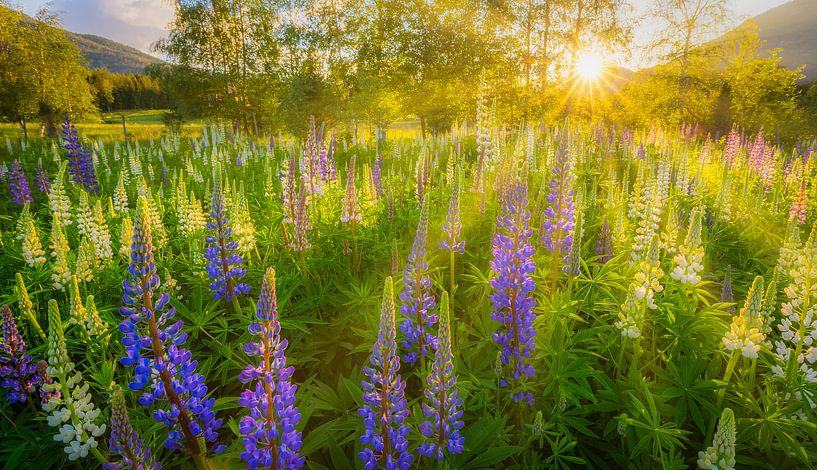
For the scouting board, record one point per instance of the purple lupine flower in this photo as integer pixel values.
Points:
(43, 184)
(125, 441)
(42, 378)
(331, 169)
(604, 242)
(270, 438)
(442, 406)
(16, 369)
(377, 176)
(560, 215)
(452, 225)
(513, 305)
(351, 207)
(726, 289)
(757, 152)
(271, 144)
(224, 267)
(80, 164)
(301, 224)
(156, 351)
(310, 171)
(18, 184)
(418, 301)
(384, 409)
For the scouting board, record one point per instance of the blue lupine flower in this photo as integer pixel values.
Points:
(377, 176)
(43, 184)
(222, 251)
(156, 351)
(384, 409)
(560, 215)
(604, 242)
(18, 184)
(79, 158)
(513, 305)
(270, 438)
(442, 405)
(125, 441)
(16, 369)
(417, 297)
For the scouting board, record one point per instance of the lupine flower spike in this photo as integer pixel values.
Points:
(689, 260)
(70, 406)
(80, 163)
(222, 251)
(418, 301)
(384, 404)
(721, 454)
(18, 184)
(125, 441)
(442, 405)
(560, 216)
(156, 352)
(16, 369)
(513, 304)
(270, 438)
(746, 334)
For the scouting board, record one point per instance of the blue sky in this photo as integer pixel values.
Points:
(139, 23)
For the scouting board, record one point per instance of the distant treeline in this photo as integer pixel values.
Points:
(120, 91)
(43, 76)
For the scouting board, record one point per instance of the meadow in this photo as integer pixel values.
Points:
(539, 296)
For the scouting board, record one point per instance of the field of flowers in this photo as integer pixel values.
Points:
(525, 297)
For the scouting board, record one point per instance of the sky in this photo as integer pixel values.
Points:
(139, 23)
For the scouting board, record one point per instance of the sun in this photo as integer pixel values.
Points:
(589, 66)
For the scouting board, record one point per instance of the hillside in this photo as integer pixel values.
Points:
(116, 57)
(793, 28)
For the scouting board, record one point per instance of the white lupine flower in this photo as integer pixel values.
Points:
(125, 237)
(84, 216)
(21, 228)
(631, 317)
(33, 252)
(59, 251)
(689, 260)
(86, 261)
(58, 200)
(746, 333)
(241, 222)
(798, 324)
(120, 197)
(99, 234)
(721, 454)
(72, 411)
(194, 218)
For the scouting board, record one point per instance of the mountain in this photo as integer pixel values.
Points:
(111, 55)
(793, 28)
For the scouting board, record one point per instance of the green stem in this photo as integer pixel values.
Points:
(236, 304)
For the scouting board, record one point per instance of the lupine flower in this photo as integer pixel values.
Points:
(689, 260)
(442, 405)
(125, 441)
(156, 352)
(573, 260)
(730, 151)
(452, 225)
(418, 301)
(120, 197)
(384, 411)
(301, 225)
(604, 242)
(79, 158)
(789, 251)
(45, 381)
(799, 206)
(125, 235)
(310, 170)
(27, 307)
(41, 179)
(513, 305)
(795, 350)
(721, 454)
(351, 207)
(59, 250)
(242, 226)
(18, 184)
(377, 176)
(559, 217)
(646, 280)
(726, 289)
(21, 227)
(224, 268)
(86, 261)
(33, 253)
(746, 334)
(71, 410)
(58, 200)
(270, 438)
(16, 369)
